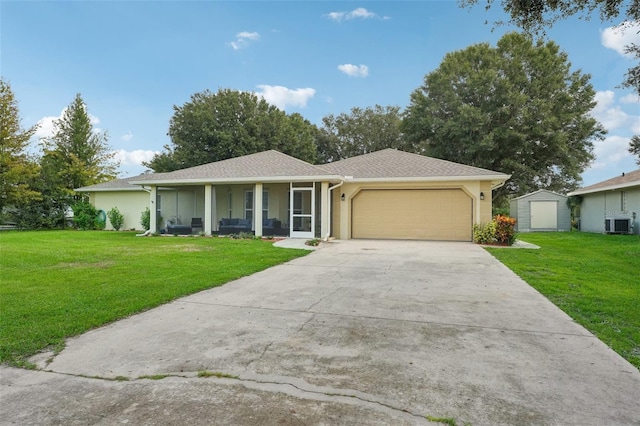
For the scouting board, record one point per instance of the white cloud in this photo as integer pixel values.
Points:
(354, 70)
(610, 115)
(282, 97)
(243, 38)
(359, 13)
(610, 150)
(631, 98)
(127, 137)
(618, 37)
(46, 125)
(133, 158)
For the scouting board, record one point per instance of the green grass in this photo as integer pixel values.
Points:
(594, 278)
(58, 284)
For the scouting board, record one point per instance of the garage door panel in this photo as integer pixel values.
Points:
(412, 214)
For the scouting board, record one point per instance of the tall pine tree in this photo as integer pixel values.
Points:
(76, 155)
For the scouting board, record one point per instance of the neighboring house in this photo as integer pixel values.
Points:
(612, 205)
(541, 210)
(384, 194)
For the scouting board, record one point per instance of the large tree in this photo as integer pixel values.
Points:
(77, 155)
(217, 126)
(535, 16)
(16, 167)
(517, 108)
(359, 132)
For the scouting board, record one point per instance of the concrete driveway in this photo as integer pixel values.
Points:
(358, 332)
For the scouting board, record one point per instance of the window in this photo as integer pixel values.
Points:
(265, 204)
(623, 201)
(248, 204)
(230, 206)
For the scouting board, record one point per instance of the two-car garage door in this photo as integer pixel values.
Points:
(412, 214)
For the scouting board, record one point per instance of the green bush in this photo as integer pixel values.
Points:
(145, 219)
(84, 215)
(484, 234)
(116, 218)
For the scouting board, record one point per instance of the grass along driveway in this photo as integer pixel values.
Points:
(594, 278)
(58, 284)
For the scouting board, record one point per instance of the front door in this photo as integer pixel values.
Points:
(302, 213)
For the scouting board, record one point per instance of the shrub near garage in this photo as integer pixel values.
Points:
(505, 230)
(501, 230)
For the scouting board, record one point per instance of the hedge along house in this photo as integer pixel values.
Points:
(541, 210)
(612, 205)
(384, 194)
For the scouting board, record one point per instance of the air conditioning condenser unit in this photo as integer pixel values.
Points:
(617, 226)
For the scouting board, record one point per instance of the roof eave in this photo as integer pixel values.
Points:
(89, 189)
(492, 178)
(241, 180)
(605, 188)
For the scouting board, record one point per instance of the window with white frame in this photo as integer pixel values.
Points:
(623, 201)
(230, 205)
(248, 204)
(265, 204)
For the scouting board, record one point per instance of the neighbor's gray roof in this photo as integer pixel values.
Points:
(393, 164)
(253, 167)
(113, 185)
(625, 180)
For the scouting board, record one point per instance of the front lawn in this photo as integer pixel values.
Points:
(59, 284)
(594, 278)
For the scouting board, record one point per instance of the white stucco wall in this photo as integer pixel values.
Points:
(598, 206)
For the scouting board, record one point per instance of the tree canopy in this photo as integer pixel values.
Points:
(217, 126)
(16, 168)
(517, 108)
(77, 155)
(534, 16)
(363, 130)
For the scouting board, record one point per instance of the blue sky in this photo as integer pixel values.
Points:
(132, 61)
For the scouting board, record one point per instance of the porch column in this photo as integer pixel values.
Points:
(324, 210)
(207, 209)
(257, 209)
(153, 209)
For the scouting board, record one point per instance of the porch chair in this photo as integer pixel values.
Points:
(196, 222)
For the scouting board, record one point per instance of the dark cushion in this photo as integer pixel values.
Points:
(244, 222)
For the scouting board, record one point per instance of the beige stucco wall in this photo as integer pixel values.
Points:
(341, 227)
(130, 203)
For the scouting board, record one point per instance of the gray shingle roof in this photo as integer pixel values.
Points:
(625, 180)
(114, 185)
(253, 166)
(387, 164)
(391, 163)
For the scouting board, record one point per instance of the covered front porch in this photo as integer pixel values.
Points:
(296, 209)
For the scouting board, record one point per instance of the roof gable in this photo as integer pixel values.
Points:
(540, 191)
(391, 163)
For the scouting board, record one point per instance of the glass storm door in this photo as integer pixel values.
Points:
(302, 216)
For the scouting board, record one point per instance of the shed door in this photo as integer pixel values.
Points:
(412, 214)
(544, 215)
